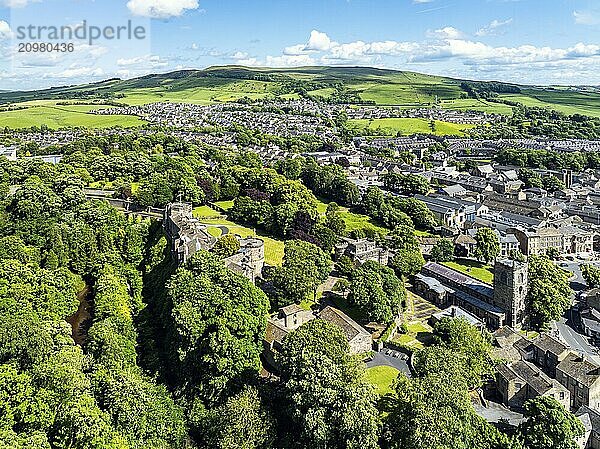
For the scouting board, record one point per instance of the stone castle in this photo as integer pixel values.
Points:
(188, 236)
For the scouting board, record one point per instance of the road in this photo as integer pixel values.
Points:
(575, 340)
(577, 284)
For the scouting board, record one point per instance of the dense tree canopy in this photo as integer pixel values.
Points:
(219, 319)
(331, 405)
(549, 294)
(305, 267)
(377, 292)
(548, 425)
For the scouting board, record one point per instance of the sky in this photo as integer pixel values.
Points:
(524, 41)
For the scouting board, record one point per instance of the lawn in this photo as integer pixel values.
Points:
(206, 212)
(382, 377)
(353, 221)
(473, 268)
(63, 116)
(212, 218)
(225, 205)
(563, 100)
(359, 221)
(418, 336)
(408, 126)
(471, 104)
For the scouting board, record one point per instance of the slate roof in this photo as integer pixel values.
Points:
(546, 343)
(350, 327)
(529, 373)
(582, 370)
(275, 332)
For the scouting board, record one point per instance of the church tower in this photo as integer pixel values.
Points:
(510, 290)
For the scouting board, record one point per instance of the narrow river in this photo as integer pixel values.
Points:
(80, 320)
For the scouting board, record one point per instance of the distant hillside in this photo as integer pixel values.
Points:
(337, 84)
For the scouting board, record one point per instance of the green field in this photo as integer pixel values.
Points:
(382, 377)
(353, 221)
(473, 268)
(53, 116)
(222, 84)
(409, 126)
(562, 100)
(470, 104)
(212, 218)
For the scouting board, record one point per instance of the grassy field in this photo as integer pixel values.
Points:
(470, 104)
(384, 87)
(409, 126)
(561, 100)
(382, 377)
(473, 268)
(353, 221)
(206, 212)
(55, 116)
(359, 221)
(226, 205)
(417, 337)
(273, 248)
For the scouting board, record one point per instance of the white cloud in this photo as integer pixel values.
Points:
(418, 2)
(78, 72)
(587, 17)
(17, 3)
(493, 27)
(445, 33)
(5, 31)
(294, 50)
(289, 61)
(239, 55)
(149, 61)
(161, 9)
(318, 41)
(448, 52)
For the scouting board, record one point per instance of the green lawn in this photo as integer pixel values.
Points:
(560, 99)
(226, 205)
(62, 116)
(353, 221)
(473, 268)
(418, 336)
(359, 221)
(382, 377)
(471, 104)
(409, 126)
(206, 212)
(273, 247)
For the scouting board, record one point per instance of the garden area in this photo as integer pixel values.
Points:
(473, 268)
(382, 377)
(218, 225)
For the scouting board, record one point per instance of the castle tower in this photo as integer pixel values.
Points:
(510, 290)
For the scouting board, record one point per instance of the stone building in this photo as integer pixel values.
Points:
(186, 234)
(591, 421)
(359, 339)
(249, 261)
(510, 290)
(502, 304)
(548, 352)
(582, 378)
(361, 251)
(520, 381)
(292, 317)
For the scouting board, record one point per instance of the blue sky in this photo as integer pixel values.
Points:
(528, 41)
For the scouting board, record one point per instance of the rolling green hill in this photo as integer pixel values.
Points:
(340, 84)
